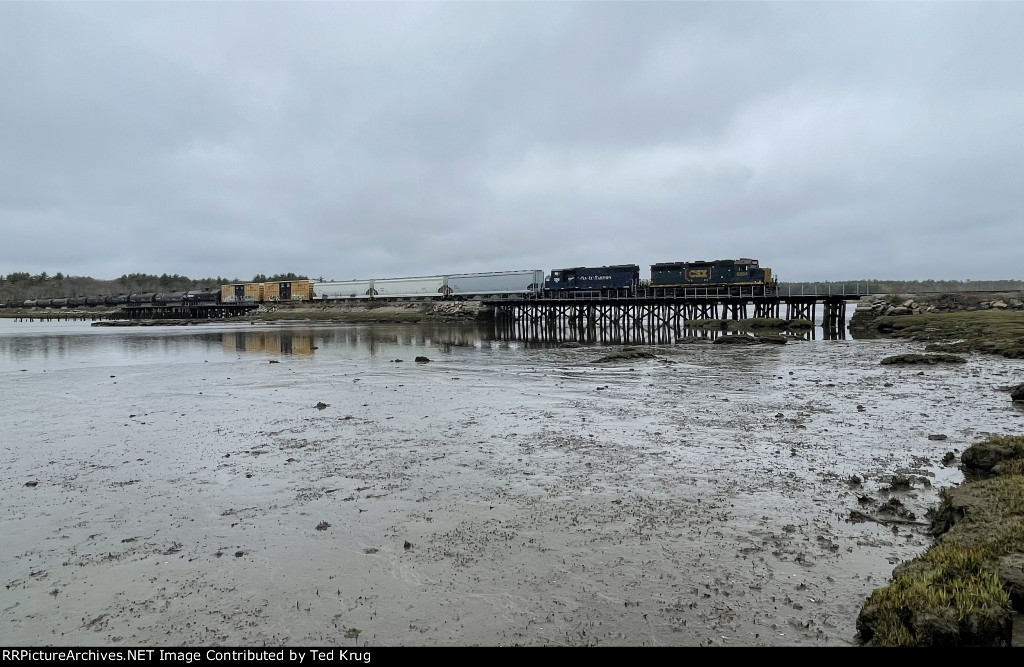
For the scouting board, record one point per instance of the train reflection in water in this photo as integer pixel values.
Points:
(372, 340)
(384, 339)
(268, 342)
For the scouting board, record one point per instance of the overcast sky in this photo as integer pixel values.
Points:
(831, 141)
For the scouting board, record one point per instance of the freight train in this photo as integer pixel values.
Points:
(724, 277)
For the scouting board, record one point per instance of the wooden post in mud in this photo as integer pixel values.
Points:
(833, 319)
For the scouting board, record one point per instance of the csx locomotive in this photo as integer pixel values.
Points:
(732, 276)
(722, 277)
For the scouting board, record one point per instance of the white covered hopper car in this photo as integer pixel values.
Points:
(508, 284)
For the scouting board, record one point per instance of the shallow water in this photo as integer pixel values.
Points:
(190, 491)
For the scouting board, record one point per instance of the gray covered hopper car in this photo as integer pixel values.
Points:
(498, 283)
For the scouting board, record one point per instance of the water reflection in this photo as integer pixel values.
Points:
(372, 339)
(50, 345)
(268, 342)
(54, 344)
(65, 342)
(376, 339)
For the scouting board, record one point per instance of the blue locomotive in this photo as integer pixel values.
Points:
(732, 277)
(618, 280)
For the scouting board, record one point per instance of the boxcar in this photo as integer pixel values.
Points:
(233, 293)
(288, 290)
(241, 293)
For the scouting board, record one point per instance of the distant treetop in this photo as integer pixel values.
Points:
(277, 277)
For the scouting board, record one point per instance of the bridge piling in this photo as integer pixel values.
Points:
(655, 319)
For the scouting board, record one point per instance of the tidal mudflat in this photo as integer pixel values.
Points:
(294, 485)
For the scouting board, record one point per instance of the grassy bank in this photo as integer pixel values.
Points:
(963, 590)
(998, 332)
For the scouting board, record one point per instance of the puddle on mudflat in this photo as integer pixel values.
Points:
(189, 491)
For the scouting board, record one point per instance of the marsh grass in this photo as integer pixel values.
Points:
(999, 332)
(1014, 467)
(952, 595)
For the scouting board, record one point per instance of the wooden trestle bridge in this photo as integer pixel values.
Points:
(658, 319)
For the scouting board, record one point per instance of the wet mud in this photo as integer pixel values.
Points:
(175, 488)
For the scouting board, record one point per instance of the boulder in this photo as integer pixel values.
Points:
(1011, 572)
(738, 339)
(982, 457)
(627, 353)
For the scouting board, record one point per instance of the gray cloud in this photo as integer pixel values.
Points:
(830, 140)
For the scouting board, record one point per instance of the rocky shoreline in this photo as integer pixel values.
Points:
(934, 303)
(967, 589)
